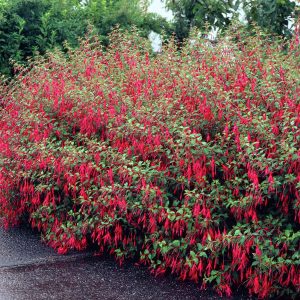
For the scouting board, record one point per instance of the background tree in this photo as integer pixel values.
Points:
(106, 14)
(28, 26)
(271, 15)
(274, 16)
(199, 13)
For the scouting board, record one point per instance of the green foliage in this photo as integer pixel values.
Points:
(189, 13)
(271, 15)
(106, 14)
(29, 26)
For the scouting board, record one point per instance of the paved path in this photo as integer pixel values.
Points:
(30, 270)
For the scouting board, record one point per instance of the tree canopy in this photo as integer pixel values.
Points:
(28, 26)
(272, 16)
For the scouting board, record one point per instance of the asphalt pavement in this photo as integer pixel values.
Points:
(31, 270)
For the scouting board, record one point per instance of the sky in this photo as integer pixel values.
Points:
(157, 6)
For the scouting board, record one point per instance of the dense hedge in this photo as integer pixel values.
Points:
(187, 161)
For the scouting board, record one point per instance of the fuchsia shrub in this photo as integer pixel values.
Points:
(187, 161)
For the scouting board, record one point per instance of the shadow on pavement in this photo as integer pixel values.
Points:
(31, 270)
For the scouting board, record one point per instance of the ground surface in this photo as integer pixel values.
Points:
(31, 270)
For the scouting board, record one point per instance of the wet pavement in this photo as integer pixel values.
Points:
(30, 270)
(20, 246)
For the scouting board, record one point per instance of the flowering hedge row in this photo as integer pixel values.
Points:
(187, 161)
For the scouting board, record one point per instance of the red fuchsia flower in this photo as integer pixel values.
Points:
(62, 250)
(258, 252)
(256, 285)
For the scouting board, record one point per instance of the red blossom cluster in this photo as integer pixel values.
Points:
(186, 160)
